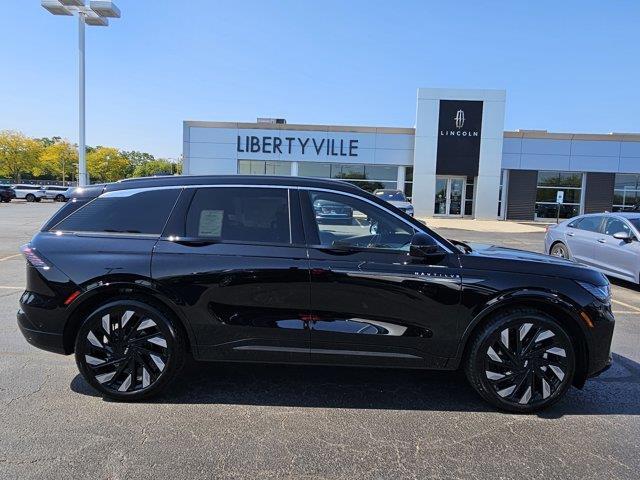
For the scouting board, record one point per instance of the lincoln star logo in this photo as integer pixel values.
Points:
(459, 118)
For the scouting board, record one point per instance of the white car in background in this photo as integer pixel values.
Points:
(30, 193)
(57, 193)
(395, 198)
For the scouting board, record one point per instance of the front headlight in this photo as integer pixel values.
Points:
(601, 292)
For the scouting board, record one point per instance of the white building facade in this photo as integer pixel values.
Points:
(457, 160)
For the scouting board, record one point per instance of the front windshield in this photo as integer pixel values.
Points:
(635, 222)
(391, 195)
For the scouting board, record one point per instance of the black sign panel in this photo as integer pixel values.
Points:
(459, 127)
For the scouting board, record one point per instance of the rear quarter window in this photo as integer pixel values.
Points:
(123, 212)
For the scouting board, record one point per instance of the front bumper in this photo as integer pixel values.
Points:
(52, 342)
(600, 338)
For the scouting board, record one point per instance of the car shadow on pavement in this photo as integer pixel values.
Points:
(616, 391)
(625, 284)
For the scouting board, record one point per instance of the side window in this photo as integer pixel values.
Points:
(575, 223)
(251, 215)
(123, 212)
(590, 224)
(615, 225)
(344, 221)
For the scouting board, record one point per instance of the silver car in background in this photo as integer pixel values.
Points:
(395, 198)
(605, 241)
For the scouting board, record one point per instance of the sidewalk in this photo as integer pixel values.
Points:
(502, 226)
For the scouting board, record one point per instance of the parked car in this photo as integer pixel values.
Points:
(332, 212)
(395, 198)
(57, 193)
(30, 193)
(6, 193)
(605, 241)
(132, 277)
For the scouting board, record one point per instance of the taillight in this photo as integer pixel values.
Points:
(33, 258)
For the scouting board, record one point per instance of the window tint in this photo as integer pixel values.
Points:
(342, 220)
(252, 215)
(144, 212)
(591, 224)
(616, 225)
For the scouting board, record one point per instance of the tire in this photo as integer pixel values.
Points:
(39, 199)
(559, 249)
(59, 198)
(129, 350)
(526, 369)
(30, 197)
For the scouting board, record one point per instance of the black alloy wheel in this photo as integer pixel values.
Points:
(559, 249)
(522, 361)
(128, 350)
(30, 197)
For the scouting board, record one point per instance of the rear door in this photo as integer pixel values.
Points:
(617, 256)
(582, 240)
(234, 259)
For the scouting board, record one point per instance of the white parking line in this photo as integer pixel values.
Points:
(2, 287)
(626, 305)
(10, 257)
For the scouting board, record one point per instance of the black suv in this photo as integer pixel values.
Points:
(134, 276)
(6, 193)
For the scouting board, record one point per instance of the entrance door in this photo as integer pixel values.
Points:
(449, 196)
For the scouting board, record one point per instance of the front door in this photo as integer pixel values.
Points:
(234, 260)
(449, 196)
(617, 256)
(372, 304)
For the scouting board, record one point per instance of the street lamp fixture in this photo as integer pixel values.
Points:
(96, 14)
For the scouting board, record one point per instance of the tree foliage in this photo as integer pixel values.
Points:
(60, 159)
(107, 164)
(56, 158)
(18, 154)
(154, 167)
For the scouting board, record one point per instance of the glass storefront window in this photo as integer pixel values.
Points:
(313, 169)
(549, 183)
(261, 167)
(626, 191)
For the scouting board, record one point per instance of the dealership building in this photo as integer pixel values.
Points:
(457, 161)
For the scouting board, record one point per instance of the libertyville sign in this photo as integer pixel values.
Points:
(307, 145)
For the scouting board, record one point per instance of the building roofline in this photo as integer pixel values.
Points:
(542, 134)
(300, 126)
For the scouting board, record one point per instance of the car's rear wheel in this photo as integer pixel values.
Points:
(128, 350)
(559, 249)
(59, 198)
(30, 197)
(521, 361)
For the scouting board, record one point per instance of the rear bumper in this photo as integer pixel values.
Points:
(52, 342)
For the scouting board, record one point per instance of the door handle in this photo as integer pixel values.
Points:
(570, 234)
(195, 242)
(602, 240)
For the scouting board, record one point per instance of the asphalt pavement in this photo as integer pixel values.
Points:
(250, 421)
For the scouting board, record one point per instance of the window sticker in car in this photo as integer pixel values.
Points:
(210, 223)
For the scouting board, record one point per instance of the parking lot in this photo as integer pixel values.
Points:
(248, 421)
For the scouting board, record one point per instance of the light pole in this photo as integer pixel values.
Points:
(96, 14)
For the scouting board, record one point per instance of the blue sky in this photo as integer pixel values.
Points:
(568, 66)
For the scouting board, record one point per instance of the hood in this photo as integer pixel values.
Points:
(403, 205)
(492, 257)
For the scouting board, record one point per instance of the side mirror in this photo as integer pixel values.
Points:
(624, 236)
(422, 245)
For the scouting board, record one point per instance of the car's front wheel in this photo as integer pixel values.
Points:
(30, 197)
(129, 350)
(522, 361)
(559, 249)
(59, 198)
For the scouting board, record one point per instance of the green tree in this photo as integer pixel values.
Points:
(107, 164)
(60, 159)
(154, 167)
(18, 154)
(136, 158)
